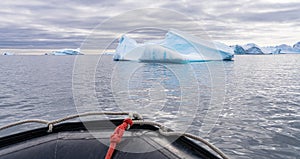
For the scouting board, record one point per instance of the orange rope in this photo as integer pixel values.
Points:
(116, 137)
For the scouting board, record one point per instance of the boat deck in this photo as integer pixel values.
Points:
(90, 140)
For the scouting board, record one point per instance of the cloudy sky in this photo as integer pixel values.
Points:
(67, 23)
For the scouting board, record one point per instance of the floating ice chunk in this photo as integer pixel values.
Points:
(66, 52)
(108, 53)
(8, 53)
(177, 47)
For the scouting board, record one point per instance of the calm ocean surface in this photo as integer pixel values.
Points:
(249, 107)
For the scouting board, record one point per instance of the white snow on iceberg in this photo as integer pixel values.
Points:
(66, 52)
(176, 47)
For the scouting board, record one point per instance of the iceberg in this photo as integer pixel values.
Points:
(270, 50)
(252, 48)
(108, 53)
(66, 52)
(239, 49)
(250, 45)
(176, 47)
(8, 53)
(247, 49)
(297, 46)
(287, 49)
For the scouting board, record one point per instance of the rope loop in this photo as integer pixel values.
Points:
(50, 128)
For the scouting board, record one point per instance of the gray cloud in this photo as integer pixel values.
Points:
(291, 15)
(66, 23)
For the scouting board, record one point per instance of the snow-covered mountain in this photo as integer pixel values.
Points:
(287, 49)
(238, 49)
(252, 48)
(249, 45)
(297, 46)
(270, 50)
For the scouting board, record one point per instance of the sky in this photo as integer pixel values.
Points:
(55, 24)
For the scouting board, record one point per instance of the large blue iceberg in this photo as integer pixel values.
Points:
(176, 47)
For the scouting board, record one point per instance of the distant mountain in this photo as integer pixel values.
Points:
(250, 45)
(297, 46)
(287, 49)
(252, 48)
(270, 50)
(238, 49)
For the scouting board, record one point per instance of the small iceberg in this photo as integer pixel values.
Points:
(66, 52)
(108, 53)
(8, 53)
(176, 47)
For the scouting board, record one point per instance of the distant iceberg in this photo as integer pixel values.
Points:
(287, 49)
(297, 46)
(271, 50)
(252, 48)
(239, 49)
(176, 47)
(108, 53)
(66, 52)
(8, 53)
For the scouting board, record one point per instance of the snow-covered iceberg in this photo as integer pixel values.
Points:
(66, 52)
(176, 47)
(287, 49)
(297, 46)
(252, 48)
(270, 50)
(238, 49)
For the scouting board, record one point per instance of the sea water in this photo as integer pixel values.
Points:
(249, 107)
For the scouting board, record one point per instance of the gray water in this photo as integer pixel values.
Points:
(248, 107)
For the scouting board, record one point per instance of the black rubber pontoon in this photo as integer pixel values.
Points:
(74, 141)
